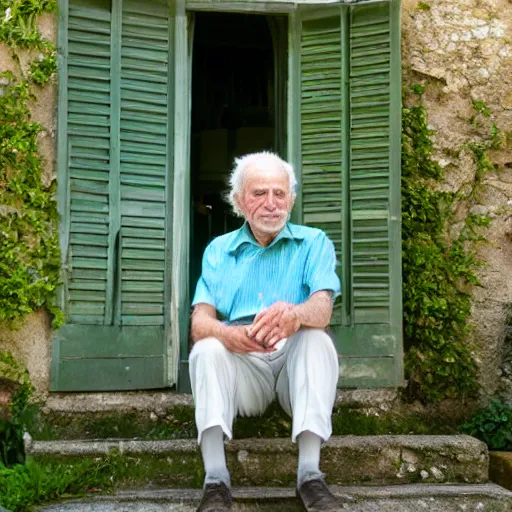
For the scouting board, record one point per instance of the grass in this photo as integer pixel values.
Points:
(23, 486)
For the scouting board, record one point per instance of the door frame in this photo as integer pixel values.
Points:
(180, 303)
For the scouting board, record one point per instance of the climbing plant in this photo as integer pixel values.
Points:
(18, 26)
(29, 249)
(12, 422)
(439, 268)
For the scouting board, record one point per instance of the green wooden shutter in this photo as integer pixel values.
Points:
(346, 71)
(143, 162)
(115, 185)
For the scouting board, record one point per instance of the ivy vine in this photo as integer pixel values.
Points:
(12, 426)
(18, 28)
(438, 270)
(29, 248)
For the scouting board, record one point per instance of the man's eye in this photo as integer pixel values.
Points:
(259, 193)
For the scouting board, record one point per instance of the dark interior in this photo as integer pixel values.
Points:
(233, 113)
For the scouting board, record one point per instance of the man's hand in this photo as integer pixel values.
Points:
(275, 323)
(235, 339)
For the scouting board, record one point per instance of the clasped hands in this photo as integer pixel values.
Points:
(275, 323)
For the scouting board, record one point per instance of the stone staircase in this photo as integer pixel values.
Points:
(399, 473)
(395, 473)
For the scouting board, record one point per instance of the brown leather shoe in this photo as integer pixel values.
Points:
(216, 498)
(315, 496)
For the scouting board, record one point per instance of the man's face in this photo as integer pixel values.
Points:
(266, 199)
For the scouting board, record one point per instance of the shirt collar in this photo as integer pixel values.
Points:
(244, 236)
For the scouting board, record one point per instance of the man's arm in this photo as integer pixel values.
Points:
(316, 312)
(205, 325)
(281, 320)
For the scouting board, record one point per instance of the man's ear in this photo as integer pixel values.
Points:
(238, 202)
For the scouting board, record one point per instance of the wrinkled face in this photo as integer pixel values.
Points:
(266, 199)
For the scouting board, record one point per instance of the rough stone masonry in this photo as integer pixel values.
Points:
(463, 50)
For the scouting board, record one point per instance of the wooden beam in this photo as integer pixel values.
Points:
(180, 302)
(241, 6)
(62, 150)
(169, 350)
(293, 113)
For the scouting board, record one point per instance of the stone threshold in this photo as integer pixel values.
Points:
(355, 491)
(159, 402)
(403, 498)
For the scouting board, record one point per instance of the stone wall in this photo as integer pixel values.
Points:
(462, 50)
(31, 343)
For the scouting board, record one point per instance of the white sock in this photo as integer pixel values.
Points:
(214, 457)
(309, 457)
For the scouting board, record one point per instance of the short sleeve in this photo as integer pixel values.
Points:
(205, 290)
(321, 267)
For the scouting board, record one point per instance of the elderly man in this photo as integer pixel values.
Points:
(262, 303)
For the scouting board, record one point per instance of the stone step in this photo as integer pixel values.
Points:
(379, 460)
(403, 498)
(165, 415)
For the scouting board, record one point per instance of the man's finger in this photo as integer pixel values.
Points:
(266, 311)
(261, 320)
(273, 332)
(277, 338)
(265, 332)
(266, 322)
(252, 346)
(243, 345)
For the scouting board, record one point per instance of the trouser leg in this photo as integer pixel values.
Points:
(224, 384)
(306, 385)
(213, 378)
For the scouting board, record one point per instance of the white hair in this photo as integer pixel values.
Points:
(237, 177)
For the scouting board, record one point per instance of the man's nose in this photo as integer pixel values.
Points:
(270, 202)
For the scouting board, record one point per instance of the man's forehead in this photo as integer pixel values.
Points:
(257, 172)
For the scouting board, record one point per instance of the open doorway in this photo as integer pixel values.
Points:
(238, 107)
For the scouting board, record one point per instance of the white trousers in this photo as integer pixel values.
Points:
(303, 374)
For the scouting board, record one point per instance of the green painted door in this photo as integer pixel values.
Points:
(115, 194)
(345, 120)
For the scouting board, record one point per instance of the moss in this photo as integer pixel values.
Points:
(424, 6)
(500, 469)
(178, 423)
(122, 471)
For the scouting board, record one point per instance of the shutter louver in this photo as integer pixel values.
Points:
(349, 156)
(321, 131)
(116, 182)
(143, 168)
(88, 114)
(370, 58)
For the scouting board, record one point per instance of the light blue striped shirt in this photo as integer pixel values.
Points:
(240, 278)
